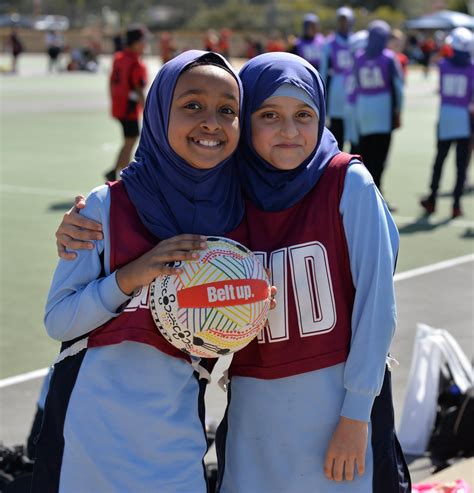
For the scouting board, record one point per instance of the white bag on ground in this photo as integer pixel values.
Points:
(434, 349)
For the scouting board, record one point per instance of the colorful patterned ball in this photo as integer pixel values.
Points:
(217, 305)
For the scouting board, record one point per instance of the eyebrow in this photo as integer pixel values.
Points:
(270, 105)
(198, 92)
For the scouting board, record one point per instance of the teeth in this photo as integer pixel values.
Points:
(208, 143)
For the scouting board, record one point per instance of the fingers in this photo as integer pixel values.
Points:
(79, 202)
(328, 467)
(70, 243)
(184, 242)
(62, 253)
(167, 257)
(77, 233)
(74, 218)
(338, 468)
(273, 292)
(360, 460)
(349, 466)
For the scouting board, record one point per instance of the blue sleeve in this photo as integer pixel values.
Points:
(79, 300)
(372, 240)
(398, 85)
(324, 65)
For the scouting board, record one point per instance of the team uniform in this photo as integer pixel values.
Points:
(357, 42)
(311, 49)
(325, 232)
(128, 73)
(351, 130)
(336, 63)
(379, 96)
(289, 388)
(454, 125)
(124, 411)
(122, 380)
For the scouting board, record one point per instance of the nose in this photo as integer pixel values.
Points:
(210, 122)
(289, 130)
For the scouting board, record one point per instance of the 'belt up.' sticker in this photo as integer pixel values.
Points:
(223, 293)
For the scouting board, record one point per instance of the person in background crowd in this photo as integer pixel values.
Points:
(396, 43)
(224, 42)
(16, 48)
(167, 47)
(428, 48)
(455, 117)
(54, 48)
(128, 80)
(357, 42)
(310, 45)
(336, 63)
(379, 97)
(275, 42)
(211, 40)
(118, 42)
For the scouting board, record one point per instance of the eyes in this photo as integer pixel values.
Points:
(194, 106)
(302, 115)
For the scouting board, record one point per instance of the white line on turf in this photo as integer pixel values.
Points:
(434, 267)
(398, 277)
(24, 377)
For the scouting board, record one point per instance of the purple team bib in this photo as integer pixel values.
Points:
(311, 49)
(456, 83)
(373, 74)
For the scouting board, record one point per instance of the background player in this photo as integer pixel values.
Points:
(310, 45)
(128, 80)
(455, 116)
(379, 97)
(335, 65)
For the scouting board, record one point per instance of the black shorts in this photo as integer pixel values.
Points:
(130, 128)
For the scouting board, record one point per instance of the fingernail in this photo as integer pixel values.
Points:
(203, 244)
(202, 237)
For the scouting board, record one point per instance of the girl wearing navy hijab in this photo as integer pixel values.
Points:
(124, 409)
(301, 414)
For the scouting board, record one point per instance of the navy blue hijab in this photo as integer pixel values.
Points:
(379, 34)
(171, 196)
(271, 189)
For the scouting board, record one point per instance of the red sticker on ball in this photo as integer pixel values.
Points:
(223, 293)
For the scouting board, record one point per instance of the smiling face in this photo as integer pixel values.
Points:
(284, 131)
(203, 125)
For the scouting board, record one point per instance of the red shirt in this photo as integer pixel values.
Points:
(128, 73)
(305, 248)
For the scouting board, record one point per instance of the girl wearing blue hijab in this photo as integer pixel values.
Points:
(302, 410)
(124, 409)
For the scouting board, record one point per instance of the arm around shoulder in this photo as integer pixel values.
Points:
(81, 298)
